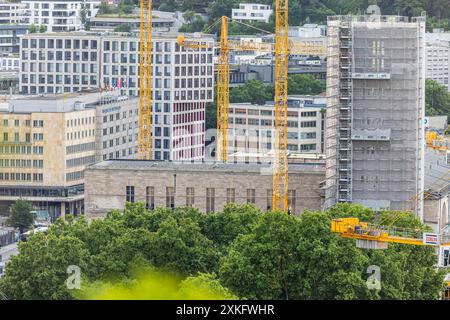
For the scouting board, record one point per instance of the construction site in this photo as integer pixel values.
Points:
(368, 140)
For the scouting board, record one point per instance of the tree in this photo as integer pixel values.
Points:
(305, 84)
(83, 16)
(253, 91)
(255, 255)
(299, 258)
(33, 28)
(123, 28)
(437, 99)
(21, 215)
(39, 271)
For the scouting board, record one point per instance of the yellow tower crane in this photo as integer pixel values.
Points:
(223, 93)
(145, 75)
(280, 164)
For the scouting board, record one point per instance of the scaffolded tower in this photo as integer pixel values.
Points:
(374, 126)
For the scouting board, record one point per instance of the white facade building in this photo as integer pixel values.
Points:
(251, 126)
(248, 12)
(183, 80)
(9, 63)
(308, 31)
(438, 57)
(13, 13)
(59, 15)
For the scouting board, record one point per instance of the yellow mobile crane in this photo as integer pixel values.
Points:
(145, 75)
(384, 232)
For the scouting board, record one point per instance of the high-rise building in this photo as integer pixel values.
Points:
(182, 80)
(375, 111)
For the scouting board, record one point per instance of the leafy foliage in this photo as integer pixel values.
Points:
(163, 253)
(21, 215)
(437, 99)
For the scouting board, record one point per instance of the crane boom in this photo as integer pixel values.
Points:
(223, 93)
(145, 74)
(280, 166)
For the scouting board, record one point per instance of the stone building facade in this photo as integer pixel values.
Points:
(206, 186)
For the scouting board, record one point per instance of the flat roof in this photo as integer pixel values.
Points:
(196, 166)
(108, 34)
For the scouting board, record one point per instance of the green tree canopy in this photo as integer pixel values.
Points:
(255, 255)
(437, 99)
(21, 215)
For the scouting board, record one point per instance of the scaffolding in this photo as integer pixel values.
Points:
(375, 110)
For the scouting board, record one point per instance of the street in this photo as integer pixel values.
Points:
(8, 251)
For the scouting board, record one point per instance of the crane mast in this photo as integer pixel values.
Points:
(280, 166)
(223, 93)
(145, 74)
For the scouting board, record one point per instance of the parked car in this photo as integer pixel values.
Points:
(26, 235)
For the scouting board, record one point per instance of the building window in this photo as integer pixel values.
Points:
(251, 196)
(269, 199)
(150, 198)
(210, 199)
(170, 197)
(291, 201)
(190, 196)
(130, 194)
(231, 194)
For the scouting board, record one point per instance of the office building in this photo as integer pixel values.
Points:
(206, 186)
(250, 12)
(251, 126)
(183, 80)
(60, 15)
(375, 111)
(47, 141)
(40, 155)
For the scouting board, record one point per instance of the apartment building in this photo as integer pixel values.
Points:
(206, 186)
(13, 12)
(251, 126)
(375, 111)
(438, 57)
(250, 12)
(183, 80)
(59, 15)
